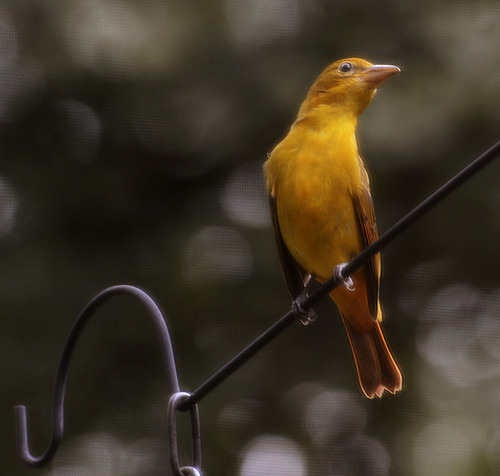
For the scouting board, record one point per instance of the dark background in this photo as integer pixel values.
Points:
(132, 135)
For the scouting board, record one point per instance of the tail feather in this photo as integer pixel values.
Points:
(377, 370)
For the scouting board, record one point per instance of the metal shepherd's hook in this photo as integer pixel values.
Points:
(62, 373)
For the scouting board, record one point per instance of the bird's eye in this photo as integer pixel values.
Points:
(345, 67)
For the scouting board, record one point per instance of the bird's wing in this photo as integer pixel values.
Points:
(363, 204)
(294, 275)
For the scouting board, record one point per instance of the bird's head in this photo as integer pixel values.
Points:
(348, 84)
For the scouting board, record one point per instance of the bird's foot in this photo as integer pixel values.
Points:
(305, 316)
(347, 282)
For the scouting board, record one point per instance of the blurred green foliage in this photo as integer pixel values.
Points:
(132, 136)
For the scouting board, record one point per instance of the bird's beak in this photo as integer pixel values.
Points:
(378, 73)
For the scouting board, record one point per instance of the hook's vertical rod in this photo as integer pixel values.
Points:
(62, 371)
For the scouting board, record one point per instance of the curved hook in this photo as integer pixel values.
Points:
(62, 371)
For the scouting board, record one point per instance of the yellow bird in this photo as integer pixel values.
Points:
(323, 212)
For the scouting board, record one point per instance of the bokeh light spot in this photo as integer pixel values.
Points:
(8, 42)
(359, 455)
(83, 129)
(216, 254)
(447, 447)
(258, 22)
(271, 454)
(102, 453)
(8, 207)
(456, 334)
(244, 197)
(332, 413)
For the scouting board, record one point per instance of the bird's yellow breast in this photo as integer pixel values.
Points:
(313, 174)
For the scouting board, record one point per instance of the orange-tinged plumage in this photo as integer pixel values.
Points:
(323, 212)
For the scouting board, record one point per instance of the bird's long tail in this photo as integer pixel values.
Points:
(377, 370)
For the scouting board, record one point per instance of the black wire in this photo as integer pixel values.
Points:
(342, 273)
(236, 362)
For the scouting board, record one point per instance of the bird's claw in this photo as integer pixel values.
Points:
(305, 316)
(347, 282)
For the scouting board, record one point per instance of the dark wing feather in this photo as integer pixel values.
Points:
(294, 275)
(363, 204)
